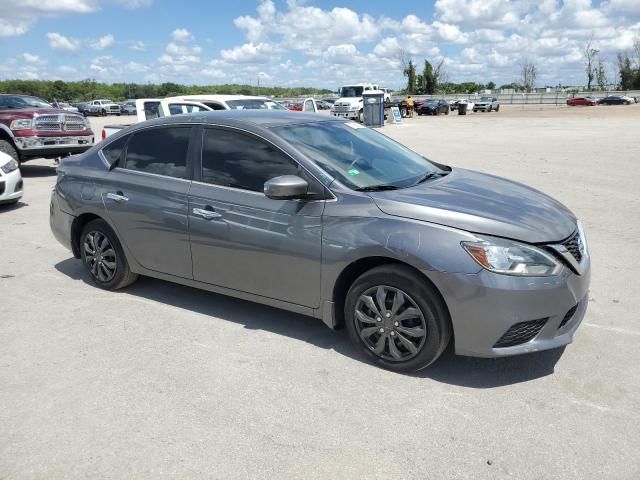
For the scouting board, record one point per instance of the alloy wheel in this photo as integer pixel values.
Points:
(390, 323)
(100, 256)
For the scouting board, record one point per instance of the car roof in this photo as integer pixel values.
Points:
(256, 118)
(214, 97)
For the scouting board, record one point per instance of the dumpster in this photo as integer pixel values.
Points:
(462, 108)
(373, 108)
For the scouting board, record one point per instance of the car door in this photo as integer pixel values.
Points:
(145, 196)
(309, 105)
(242, 240)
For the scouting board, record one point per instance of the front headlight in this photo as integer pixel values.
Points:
(22, 124)
(512, 258)
(10, 167)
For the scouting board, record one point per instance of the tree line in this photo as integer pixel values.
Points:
(90, 89)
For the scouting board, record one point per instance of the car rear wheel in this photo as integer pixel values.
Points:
(396, 319)
(104, 258)
(6, 147)
(498, 108)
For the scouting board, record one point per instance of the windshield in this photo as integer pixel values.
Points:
(432, 102)
(25, 102)
(351, 91)
(357, 156)
(255, 104)
(485, 99)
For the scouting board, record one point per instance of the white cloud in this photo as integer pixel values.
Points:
(249, 53)
(60, 42)
(103, 42)
(18, 16)
(181, 35)
(34, 59)
(139, 46)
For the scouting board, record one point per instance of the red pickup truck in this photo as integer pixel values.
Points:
(32, 128)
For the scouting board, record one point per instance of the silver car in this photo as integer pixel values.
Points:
(327, 218)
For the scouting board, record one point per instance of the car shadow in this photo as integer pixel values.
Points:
(481, 373)
(35, 171)
(8, 207)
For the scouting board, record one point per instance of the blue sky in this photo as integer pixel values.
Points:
(312, 42)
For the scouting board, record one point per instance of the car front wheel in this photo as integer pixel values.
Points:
(396, 319)
(104, 258)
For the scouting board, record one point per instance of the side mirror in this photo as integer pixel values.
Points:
(286, 187)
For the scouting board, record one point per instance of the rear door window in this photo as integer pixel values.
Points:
(160, 150)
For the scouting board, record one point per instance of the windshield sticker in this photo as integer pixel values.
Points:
(353, 172)
(354, 125)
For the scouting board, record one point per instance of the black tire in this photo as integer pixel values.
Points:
(103, 112)
(434, 313)
(123, 276)
(498, 108)
(6, 147)
(490, 108)
(446, 112)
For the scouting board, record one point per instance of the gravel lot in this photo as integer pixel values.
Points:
(165, 381)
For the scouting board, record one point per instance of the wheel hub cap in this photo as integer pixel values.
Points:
(390, 323)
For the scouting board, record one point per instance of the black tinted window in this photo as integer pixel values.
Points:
(235, 160)
(113, 151)
(159, 150)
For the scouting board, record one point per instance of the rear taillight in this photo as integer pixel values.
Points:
(104, 134)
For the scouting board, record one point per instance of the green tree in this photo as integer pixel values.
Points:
(491, 86)
(428, 78)
(410, 73)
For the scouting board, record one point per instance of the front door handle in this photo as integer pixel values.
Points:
(206, 214)
(118, 197)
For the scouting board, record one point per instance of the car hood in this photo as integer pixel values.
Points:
(30, 112)
(481, 203)
(349, 101)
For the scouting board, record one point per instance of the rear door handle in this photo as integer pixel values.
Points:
(118, 197)
(206, 214)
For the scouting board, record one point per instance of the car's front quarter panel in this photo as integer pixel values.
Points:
(354, 229)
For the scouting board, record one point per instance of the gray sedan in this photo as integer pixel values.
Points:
(327, 218)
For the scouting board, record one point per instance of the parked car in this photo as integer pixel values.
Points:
(322, 105)
(106, 107)
(271, 207)
(615, 100)
(583, 101)
(296, 107)
(433, 107)
(32, 128)
(65, 106)
(487, 104)
(85, 109)
(128, 108)
(10, 180)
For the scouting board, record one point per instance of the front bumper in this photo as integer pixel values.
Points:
(10, 186)
(486, 306)
(46, 146)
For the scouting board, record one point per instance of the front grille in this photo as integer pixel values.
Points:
(59, 123)
(568, 316)
(520, 333)
(573, 245)
(341, 108)
(47, 123)
(73, 123)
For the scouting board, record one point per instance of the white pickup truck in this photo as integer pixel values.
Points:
(149, 108)
(350, 103)
(105, 107)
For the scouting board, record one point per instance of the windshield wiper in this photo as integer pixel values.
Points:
(431, 175)
(377, 188)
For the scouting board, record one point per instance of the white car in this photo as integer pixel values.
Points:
(10, 180)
